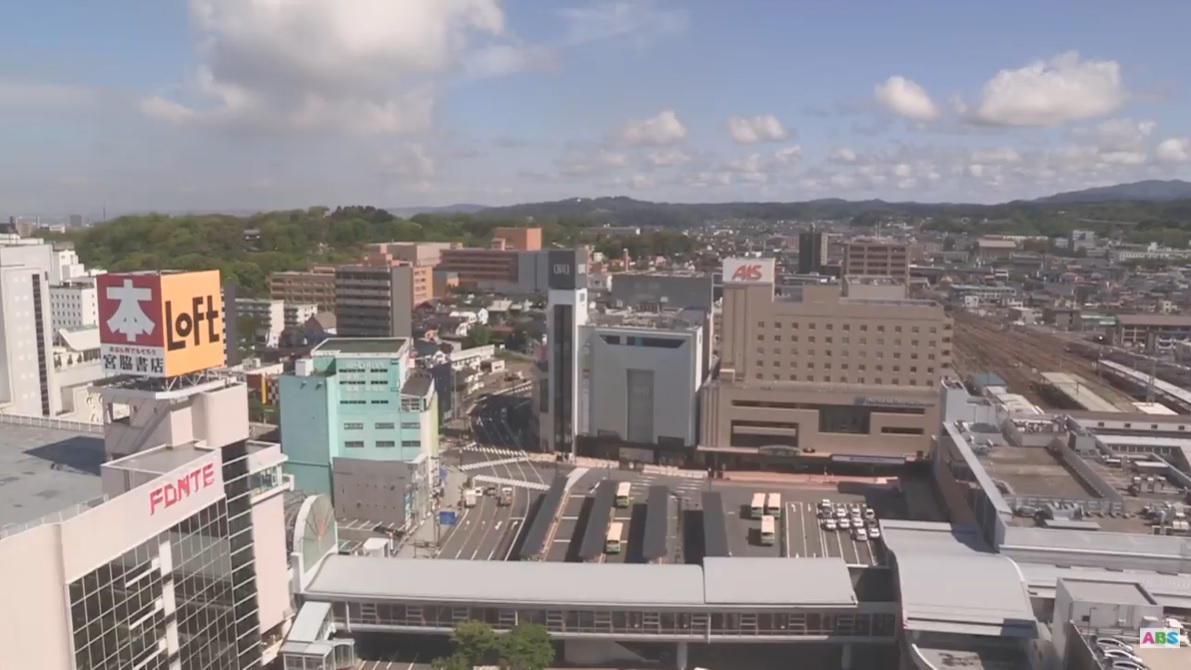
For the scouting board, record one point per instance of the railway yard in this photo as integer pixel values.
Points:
(1020, 355)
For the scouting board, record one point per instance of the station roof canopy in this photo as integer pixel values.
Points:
(951, 583)
(726, 582)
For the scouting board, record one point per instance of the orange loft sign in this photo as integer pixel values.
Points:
(749, 270)
(160, 324)
(171, 493)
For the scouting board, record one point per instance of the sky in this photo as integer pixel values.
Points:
(139, 105)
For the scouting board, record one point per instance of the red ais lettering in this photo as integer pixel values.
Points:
(750, 272)
(171, 493)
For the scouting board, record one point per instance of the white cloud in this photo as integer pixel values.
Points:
(669, 157)
(996, 155)
(1118, 134)
(1049, 93)
(640, 19)
(409, 161)
(754, 129)
(362, 67)
(842, 155)
(906, 99)
(788, 155)
(33, 95)
(1174, 150)
(660, 130)
(583, 163)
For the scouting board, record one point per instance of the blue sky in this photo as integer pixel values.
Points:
(215, 104)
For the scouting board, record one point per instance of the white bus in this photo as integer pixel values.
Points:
(757, 509)
(624, 494)
(773, 505)
(768, 525)
(612, 541)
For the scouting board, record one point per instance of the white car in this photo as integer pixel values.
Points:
(874, 533)
(869, 514)
(1120, 655)
(828, 524)
(1128, 665)
(844, 523)
(841, 513)
(859, 534)
(1113, 643)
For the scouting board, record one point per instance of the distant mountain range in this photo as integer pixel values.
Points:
(1151, 190)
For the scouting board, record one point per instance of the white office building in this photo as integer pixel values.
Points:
(74, 304)
(639, 376)
(65, 265)
(297, 313)
(268, 315)
(26, 330)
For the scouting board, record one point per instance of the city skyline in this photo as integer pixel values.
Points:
(221, 105)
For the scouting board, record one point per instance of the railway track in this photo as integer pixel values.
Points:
(1020, 356)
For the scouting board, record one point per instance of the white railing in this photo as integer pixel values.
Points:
(53, 423)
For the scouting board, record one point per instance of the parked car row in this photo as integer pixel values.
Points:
(1117, 654)
(859, 518)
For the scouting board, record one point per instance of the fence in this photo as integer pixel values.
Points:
(52, 423)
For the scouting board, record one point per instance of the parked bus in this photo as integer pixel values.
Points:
(612, 541)
(757, 509)
(624, 494)
(773, 505)
(767, 530)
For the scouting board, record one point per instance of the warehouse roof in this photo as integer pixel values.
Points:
(765, 581)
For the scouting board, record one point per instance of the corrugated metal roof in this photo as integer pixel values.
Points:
(515, 582)
(947, 580)
(1096, 542)
(309, 622)
(724, 582)
(778, 581)
(1169, 590)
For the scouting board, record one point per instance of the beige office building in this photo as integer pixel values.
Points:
(315, 287)
(877, 257)
(847, 369)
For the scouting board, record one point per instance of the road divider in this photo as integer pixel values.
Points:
(503, 481)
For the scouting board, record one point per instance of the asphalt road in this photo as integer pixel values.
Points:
(488, 531)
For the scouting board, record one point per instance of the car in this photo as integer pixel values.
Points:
(1120, 655)
(828, 524)
(825, 504)
(844, 523)
(1128, 665)
(870, 514)
(860, 534)
(1113, 643)
(874, 533)
(856, 508)
(841, 513)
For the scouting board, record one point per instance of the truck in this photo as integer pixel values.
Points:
(506, 496)
(469, 498)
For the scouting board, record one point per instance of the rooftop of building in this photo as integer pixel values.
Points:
(160, 460)
(665, 319)
(361, 345)
(44, 471)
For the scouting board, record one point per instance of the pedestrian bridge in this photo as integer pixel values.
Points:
(725, 599)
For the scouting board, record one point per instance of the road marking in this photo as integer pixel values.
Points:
(568, 518)
(805, 543)
(517, 534)
(840, 541)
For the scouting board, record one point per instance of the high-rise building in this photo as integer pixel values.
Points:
(374, 301)
(360, 423)
(74, 304)
(316, 286)
(812, 252)
(868, 257)
(27, 380)
(560, 389)
(846, 369)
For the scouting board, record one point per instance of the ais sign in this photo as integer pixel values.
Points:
(749, 270)
(171, 493)
(160, 324)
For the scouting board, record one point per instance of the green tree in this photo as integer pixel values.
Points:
(454, 661)
(475, 642)
(479, 335)
(526, 647)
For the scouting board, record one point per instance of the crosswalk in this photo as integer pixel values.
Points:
(480, 465)
(517, 483)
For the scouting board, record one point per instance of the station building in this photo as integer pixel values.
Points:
(842, 369)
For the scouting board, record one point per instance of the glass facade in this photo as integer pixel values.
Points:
(186, 596)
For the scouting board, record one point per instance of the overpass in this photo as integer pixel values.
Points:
(725, 599)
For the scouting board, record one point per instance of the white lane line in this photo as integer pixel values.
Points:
(805, 538)
(519, 523)
(840, 541)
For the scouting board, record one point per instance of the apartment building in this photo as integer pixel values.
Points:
(1151, 332)
(812, 251)
(505, 271)
(74, 304)
(517, 239)
(413, 253)
(374, 301)
(315, 286)
(850, 368)
(877, 257)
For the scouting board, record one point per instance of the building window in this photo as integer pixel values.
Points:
(354, 444)
(384, 425)
(410, 425)
(411, 443)
(353, 426)
(385, 444)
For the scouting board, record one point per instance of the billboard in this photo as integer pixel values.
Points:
(567, 269)
(160, 324)
(749, 270)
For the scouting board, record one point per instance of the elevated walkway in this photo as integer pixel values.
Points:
(738, 599)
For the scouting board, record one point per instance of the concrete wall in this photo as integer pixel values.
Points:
(380, 492)
(306, 430)
(268, 545)
(34, 621)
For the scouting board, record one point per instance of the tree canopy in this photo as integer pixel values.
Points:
(474, 643)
